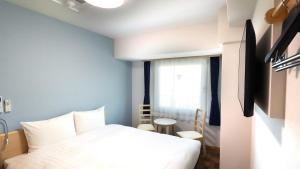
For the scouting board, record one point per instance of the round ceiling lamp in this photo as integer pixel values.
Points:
(106, 3)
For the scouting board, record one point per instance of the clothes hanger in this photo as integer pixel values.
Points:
(281, 11)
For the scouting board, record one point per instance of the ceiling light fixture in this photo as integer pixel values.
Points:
(58, 2)
(72, 5)
(106, 3)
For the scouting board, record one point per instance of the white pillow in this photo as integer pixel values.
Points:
(89, 120)
(48, 132)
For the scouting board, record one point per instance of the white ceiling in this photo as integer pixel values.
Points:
(134, 16)
(240, 10)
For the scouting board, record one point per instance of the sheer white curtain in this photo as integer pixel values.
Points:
(179, 86)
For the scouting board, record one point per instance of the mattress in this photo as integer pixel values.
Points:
(113, 147)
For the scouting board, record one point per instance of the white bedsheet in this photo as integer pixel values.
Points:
(113, 147)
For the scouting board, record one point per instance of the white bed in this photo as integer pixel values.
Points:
(113, 147)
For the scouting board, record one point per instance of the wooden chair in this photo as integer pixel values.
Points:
(198, 133)
(145, 118)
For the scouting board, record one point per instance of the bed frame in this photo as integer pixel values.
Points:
(17, 145)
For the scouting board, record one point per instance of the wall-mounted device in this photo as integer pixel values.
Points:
(1, 104)
(246, 75)
(7, 106)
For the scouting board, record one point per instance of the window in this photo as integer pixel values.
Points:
(180, 86)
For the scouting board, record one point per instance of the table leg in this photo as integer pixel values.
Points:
(173, 130)
(168, 130)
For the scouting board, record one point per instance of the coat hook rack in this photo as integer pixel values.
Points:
(290, 28)
(286, 63)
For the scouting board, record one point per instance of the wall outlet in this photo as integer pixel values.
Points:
(1, 104)
(7, 106)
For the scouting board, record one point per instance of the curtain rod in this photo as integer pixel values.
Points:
(170, 58)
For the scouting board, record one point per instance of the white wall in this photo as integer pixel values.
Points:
(263, 126)
(275, 142)
(266, 141)
(137, 90)
(291, 130)
(227, 33)
(235, 128)
(168, 42)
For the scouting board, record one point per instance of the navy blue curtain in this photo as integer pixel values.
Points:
(214, 118)
(147, 65)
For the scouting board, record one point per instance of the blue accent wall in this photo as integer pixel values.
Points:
(49, 68)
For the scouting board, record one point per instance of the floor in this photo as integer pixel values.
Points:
(211, 160)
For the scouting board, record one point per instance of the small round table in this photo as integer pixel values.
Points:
(166, 123)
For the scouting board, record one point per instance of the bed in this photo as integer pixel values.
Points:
(108, 147)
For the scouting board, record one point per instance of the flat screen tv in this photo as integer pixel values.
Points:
(246, 74)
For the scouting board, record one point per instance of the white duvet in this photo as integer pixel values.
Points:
(113, 147)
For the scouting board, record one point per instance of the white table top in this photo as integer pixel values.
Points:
(165, 121)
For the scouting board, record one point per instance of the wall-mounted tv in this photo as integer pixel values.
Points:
(246, 74)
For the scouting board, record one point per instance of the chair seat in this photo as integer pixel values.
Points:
(190, 134)
(147, 127)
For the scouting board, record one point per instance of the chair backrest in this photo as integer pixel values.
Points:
(145, 114)
(200, 128)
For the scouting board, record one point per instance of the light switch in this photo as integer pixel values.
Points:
(1, 104)
(7, 106)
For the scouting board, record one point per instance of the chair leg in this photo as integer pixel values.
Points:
(204, 147)
(167, 130)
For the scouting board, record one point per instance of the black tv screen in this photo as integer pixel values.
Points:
(246, 79)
